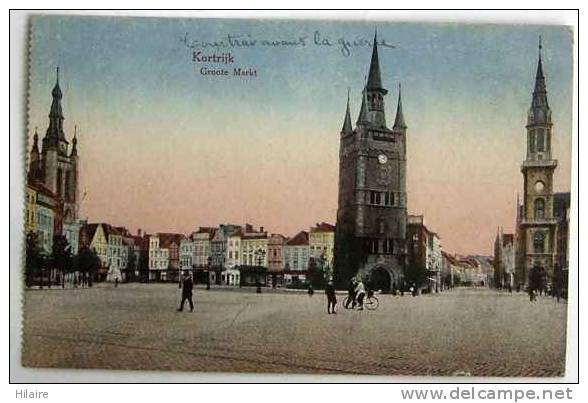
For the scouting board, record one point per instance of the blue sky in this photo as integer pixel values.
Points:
(132, 88)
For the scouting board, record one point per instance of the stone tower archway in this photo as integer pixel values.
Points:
(381, 277)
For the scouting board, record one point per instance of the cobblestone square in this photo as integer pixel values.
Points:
(477, 332)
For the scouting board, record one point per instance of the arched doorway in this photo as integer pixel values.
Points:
(380, 279)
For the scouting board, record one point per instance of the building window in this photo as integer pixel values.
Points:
(388, 246)
(539, 208)
(373, 245)
(389, 198)
(539, 242)
(540, 140)
(532, 141)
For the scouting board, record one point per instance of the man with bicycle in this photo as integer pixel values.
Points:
(351, 294)
(360, 294)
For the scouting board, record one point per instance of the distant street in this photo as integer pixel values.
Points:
(479, 332)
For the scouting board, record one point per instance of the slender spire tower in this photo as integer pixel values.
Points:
(74, 143)
(363, 117)
(347, 128)
(375, 92)
(399, 124)
(536, 224)
(35, 173)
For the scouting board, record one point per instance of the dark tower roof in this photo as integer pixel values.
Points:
(399, 121)
(539, 113)
(347, 122)
(74, 141)
(55, 129)
(56, 110)
(35, 148)
(35, 173)
(540, 92)
(374, 82)
(363, 112)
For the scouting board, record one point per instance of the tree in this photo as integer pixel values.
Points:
(131, 265)
(88, 263)
(61, 257)
(143, 264)
(316, 274)
(34, 259)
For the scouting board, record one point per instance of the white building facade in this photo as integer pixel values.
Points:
(186, 253)
(296, 256)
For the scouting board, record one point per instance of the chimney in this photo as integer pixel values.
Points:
(139, 232)
(260, 229)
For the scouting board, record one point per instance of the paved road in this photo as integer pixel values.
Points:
(464, 331)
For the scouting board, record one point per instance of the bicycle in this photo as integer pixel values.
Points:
(371, 302)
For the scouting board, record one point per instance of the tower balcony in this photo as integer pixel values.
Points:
(538, 164)
(538, 221)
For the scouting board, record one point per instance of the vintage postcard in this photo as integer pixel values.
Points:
(298, 196)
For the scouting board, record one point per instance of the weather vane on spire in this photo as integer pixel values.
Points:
(540, 46)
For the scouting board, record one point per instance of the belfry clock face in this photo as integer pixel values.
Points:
(382, 158)
(539, 186)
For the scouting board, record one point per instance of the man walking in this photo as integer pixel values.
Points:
(331, 298)
(187, 285)
(351, 294)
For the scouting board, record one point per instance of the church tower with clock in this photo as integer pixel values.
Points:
(370, 237)
(536, 224)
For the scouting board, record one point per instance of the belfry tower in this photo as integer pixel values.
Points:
(370, 238)
(536, 224)
(56, 167)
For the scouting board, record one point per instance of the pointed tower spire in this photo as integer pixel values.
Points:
(539, 113)
(363, 117)
(55, 129)
(518, 208)
(35, 148)
(374, 82)
(347, 122)
(35, 173)
(540, 91)
(74, 141)
(399, 123)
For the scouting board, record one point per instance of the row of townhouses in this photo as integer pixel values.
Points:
(424, 251)
(221, 254)
(225, 252)
(471, 270)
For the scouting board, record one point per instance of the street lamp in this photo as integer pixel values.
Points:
(208, 260)
(322, 263)
(259, 254)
